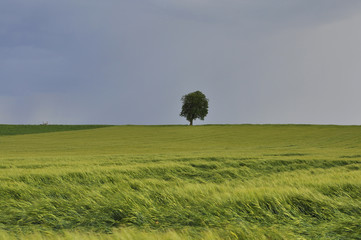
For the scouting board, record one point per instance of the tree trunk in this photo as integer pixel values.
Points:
(191, 122)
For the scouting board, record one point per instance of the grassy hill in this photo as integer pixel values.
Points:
(31, 129)
(181, 182)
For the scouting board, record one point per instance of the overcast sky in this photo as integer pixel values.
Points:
(130, 61)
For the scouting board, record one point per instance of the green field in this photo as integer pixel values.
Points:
(181, 182)
(31, 129)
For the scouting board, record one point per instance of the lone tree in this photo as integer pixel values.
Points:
(195, 105)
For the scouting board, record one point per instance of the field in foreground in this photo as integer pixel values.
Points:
(181, 182)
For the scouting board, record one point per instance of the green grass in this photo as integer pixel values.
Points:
(31, 129)
(181, 182)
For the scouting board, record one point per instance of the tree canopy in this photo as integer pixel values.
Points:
(195, 105)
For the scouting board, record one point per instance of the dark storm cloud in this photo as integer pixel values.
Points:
(124, 62)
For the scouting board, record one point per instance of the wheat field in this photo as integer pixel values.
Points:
(180, 182)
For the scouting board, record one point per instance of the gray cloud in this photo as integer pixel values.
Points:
(123, 62)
